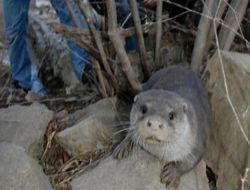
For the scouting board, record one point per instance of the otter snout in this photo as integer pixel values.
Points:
(154, 129)
(155, 124)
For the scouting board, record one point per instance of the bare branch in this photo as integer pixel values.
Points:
(138, 29)
(222, 7)
(61, 28)
(69, 33)
(101, 78)
(233, 19)
(201, 38)
(72, 13)
(244, 178)
(117, 42)
(158, 32)
(86, 10)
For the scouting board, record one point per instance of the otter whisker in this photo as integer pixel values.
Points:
(138, 139)
(125, 129)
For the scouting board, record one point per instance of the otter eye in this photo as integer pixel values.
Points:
(171, 115)
(144, 109)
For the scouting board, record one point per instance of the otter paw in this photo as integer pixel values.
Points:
(170, 175)
(123, 149)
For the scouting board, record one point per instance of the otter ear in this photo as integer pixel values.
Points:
(185, 107)
(135, 98)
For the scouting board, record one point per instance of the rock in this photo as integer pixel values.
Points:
(19, 171)
(25, 126)
(98, 127)
(139, 171)
(228, 151)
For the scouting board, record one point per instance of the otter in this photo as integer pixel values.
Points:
(170, 119)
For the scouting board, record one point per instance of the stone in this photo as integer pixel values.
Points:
(25, 126)
(19, 171)
(228, 153)
(139, 171)
(99, 127)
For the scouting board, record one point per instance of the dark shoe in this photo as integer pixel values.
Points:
(16, 85)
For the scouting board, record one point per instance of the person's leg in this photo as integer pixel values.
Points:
(79, 57)
(15, 25)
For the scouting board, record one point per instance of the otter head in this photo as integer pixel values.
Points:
(158, 117)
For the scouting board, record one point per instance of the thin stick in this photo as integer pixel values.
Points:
(158, 32)
(115, 37)
(201, 38)
(233, 19)
(72, 13)
(101, 79)
(48, 145)
(244, 178)
(82, 42)
(85, 8)
(80, 37)
(139, 33)
(76, 20)
(210, 38)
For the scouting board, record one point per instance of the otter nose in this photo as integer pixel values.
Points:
(155, 124)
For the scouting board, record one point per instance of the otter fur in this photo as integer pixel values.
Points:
(170, 119)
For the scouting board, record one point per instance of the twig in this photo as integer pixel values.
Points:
(117, 42)
(216, 19)
(233, 19)
(158, 32)
(177, 26)
(222, 7)
(49, 142)
(101, 79)
(61, 28)
(2, 90)
(72, 13)
(84, 43)
(80, 164)
(138, 30)
(77, 22)
(85, 8)
(126, 32)
(201, 38)
(244, 178)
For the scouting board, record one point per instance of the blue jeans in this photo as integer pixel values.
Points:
(15, 25)
(79, 57)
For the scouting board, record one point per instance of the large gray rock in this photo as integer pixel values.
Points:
(19, 171)
(228, 151)
(99, 126)
(25, 126)
(140, 171)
